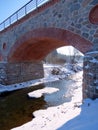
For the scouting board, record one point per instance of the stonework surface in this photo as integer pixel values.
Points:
(11, 73)
(90, 80)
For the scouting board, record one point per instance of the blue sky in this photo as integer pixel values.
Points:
(8, 7)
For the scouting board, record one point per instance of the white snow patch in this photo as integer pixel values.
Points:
(40, 92)
(94, 60)
(91, 74)
(12, 87)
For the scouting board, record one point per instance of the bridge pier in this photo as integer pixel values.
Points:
(90, 75)
(11, 73)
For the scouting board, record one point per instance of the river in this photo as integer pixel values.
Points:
(16, 107)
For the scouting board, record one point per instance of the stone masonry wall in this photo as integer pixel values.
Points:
(11, 73)
(90, 76)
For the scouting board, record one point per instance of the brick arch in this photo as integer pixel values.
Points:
(36, 44)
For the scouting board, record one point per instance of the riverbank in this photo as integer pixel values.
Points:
(73, 115)
(54, 117)
(65, 71)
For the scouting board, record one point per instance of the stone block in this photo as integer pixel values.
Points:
(20, 72)
(13, 69)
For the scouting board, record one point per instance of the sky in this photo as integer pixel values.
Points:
(8, 7)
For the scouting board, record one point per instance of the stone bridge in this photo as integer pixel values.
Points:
(26, 42)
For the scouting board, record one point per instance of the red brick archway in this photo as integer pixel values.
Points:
(36, 44)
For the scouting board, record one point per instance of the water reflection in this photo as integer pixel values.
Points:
(63, 95)
(16, 108)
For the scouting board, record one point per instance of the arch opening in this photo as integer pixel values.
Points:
(65, 61)
(63, 55)
(36, 44)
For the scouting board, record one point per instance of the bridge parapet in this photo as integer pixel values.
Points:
(23, 11)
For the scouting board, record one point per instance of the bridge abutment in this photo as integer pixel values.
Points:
(90, 75)
(11, 73)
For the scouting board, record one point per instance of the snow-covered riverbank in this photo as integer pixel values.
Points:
(64, 72)
(72, 115)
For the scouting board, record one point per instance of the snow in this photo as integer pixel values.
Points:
(53, 118)
(12, 87)
(48, 78)
(73, 115)
(94, 60)
(40, 92)
(77, 114)
(91, 74)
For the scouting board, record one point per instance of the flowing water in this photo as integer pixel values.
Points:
(16, 107)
